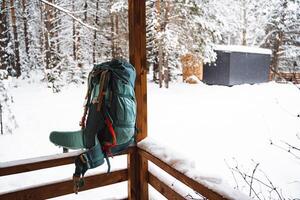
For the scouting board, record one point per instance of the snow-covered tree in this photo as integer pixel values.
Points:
(16, 43)
(177, 27)
(7, 118)
(52, 42)
(4, 36)
(283, 34)
(243, 20)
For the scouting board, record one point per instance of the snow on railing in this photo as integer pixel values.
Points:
(187, 168)
(139, 174)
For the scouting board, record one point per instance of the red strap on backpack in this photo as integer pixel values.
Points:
(111, 130)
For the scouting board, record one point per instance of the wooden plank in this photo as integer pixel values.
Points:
(132, 175)
(163, 188)
(142, 173)
(203, 190)
(137, 176)
(137, 56)
(27, 165)
(65, 187)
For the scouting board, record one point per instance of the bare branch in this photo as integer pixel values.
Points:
(251, 182)
(236, 183)
(69, 14)
(250, 179)
(291, 146)
(288, 149)
(244, 176)
(272, 185)
(266, 37)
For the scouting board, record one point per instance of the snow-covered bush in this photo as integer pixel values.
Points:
(7, 118)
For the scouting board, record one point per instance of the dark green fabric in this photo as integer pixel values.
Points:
(120, 102)
(68, 139)
(92, 158)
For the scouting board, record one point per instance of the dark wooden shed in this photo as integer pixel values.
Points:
(238, 65)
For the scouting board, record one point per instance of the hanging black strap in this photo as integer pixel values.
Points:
(92, 158)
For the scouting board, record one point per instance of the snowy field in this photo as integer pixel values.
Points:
(212, 126)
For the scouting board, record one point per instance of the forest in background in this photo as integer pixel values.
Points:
(59, 40)
(35, 36)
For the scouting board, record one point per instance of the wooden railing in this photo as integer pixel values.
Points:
(137, 175)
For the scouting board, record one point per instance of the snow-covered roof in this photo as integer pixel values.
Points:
(245, 49)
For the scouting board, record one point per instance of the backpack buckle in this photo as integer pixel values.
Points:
(83, 158)
(95, 100)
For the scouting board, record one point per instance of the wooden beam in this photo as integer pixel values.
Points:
(27, 165)
(137, 56)
(137, 176)
(202, 189)
(163, 188)
(143, 176)
(55, 189)
(132, 175)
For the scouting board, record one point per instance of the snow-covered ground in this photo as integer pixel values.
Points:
(210, 125)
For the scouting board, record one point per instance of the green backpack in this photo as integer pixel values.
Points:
(108, 123)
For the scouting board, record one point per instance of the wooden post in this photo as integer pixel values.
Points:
(137, 166)
(137, 55)
(137, 176)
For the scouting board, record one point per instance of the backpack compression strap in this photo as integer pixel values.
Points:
(103, 85)
(87, 101)
(104, 78)
(107, 146)
(87, 160)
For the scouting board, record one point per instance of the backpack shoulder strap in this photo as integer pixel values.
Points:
(87, 100)
(103, 85)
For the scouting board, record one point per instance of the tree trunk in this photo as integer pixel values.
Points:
(76, 39)
(17, 65)
(112, 36)
(42, 32)
(160, 52)
(95, 32)
(25, 24)
(85, 10)
(276, 51)
(244, 33)
(1, 124)
(56, 32)
(4, 57)
(278, 42)
(47, 36)
(166, 58)
(74, 33)
(78, 49)
(117, 40)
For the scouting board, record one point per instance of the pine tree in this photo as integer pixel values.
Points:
(283, 33)
(4, 37)
(7, 118)
(25, 25)
(179, 27)
(16, 63)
